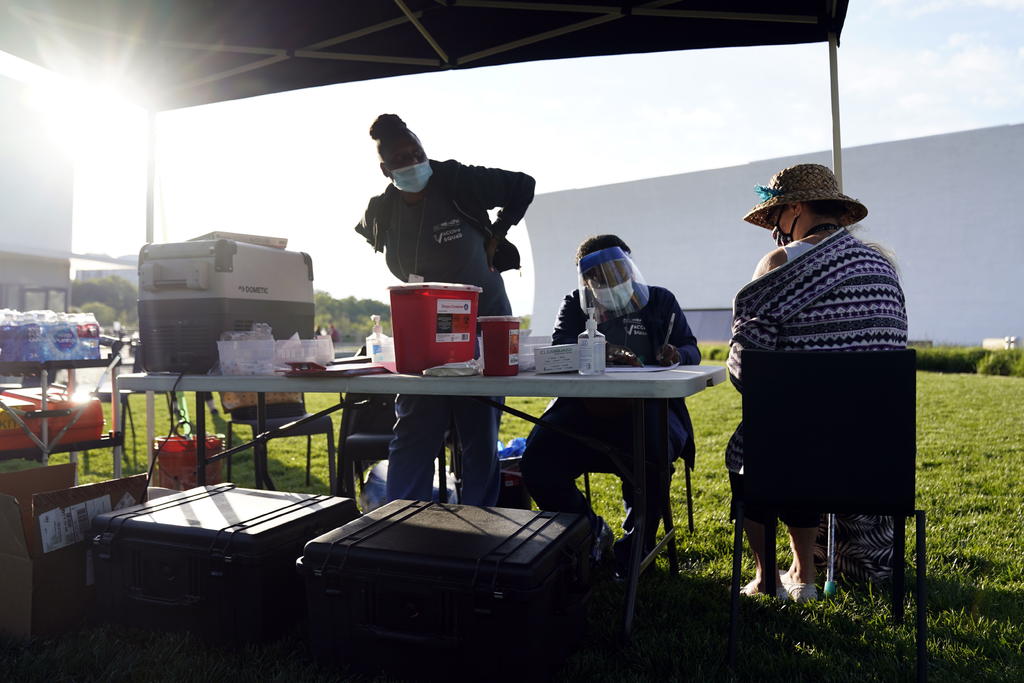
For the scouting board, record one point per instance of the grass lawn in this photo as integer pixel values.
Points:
(970, 473)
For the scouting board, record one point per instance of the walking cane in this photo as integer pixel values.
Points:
(830, 584)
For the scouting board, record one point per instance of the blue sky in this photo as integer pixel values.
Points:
(301, 165)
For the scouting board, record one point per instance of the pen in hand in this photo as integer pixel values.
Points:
(668, 336)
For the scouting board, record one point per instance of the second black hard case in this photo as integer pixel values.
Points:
(429, 590)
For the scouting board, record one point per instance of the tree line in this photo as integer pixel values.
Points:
(108, 298)
(350, 316)
(114, 298)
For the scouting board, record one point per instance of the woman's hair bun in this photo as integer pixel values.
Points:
(388, 126)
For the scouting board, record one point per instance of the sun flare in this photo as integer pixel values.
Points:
(105, 136)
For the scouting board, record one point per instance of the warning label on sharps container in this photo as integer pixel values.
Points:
(513, 347)
(453, 320)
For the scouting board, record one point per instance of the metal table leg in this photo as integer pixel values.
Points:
(664, 486)
(263, 479)
(200, 438)
(636, 554)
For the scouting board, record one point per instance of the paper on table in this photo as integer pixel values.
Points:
(345, 370)
(645, 368)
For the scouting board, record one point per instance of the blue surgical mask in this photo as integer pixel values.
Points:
(615, 298)
(412, 178)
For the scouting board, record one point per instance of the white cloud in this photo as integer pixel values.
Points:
(897, 91)
(959, 39)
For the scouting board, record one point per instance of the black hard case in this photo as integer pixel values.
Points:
(431, 590)
(218, 561)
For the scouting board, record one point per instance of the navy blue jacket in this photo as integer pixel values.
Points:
(474, 190)
(655, 315)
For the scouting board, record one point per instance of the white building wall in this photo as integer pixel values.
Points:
(36, 191)
(945, 205)
(36, 178)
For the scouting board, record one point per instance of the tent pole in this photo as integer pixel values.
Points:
(150, 174)
(837, 145)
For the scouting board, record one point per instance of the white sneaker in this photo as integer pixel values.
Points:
(603, 540)
(796, 591)
(802, 592)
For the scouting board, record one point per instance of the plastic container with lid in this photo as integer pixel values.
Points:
(433, 323)
(500, 344)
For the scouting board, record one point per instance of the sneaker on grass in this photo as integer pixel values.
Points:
(603, 540)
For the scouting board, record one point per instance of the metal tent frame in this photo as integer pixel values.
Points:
(192, 52)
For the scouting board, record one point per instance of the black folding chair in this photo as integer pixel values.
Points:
(853, 452)
(367, 423)
(279, 415)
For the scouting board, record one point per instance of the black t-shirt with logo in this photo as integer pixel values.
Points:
(432, 240)
(631, 332)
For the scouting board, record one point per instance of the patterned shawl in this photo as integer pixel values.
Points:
(842, 295)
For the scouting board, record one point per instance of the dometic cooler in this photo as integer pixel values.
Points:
(426, 590)
(191, 292)
(218, 561)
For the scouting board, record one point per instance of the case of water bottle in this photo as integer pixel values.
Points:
(37, 336)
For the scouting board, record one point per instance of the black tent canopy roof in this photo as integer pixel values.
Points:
(189, 52)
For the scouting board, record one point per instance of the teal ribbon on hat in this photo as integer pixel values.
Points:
(766, 192)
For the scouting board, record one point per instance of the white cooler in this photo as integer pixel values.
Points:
(191, 292)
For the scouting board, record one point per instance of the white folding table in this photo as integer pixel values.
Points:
(677, 382)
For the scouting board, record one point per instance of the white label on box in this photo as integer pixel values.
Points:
(453, 306)
(65, 526)
(560, 358)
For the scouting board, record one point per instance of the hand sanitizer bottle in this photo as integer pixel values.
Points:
(591, 345)
(380, 347)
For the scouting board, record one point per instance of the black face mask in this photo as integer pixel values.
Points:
(783, 238)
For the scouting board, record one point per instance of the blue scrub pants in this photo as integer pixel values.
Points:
(419, 435)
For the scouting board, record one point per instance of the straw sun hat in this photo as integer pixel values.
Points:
(803, 183)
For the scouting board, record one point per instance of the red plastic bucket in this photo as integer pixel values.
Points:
(433, 323)
(501, 344)
(177, 461)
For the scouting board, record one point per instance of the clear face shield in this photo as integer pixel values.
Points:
(611, 283)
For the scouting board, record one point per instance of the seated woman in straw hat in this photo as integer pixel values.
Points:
(796, 302)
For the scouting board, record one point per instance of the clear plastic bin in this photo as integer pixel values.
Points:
(246, 357)
(319, 350)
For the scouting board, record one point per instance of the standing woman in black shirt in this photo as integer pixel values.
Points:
(432, 225)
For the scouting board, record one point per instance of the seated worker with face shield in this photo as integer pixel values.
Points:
(635, 319)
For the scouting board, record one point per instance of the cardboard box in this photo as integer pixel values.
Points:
(46, 581)
(560, 358)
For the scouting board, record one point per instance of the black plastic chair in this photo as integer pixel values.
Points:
(367, 423)
(279, 415)
(855, 455)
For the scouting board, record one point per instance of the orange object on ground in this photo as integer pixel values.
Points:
(177, 461)
(88, 427)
